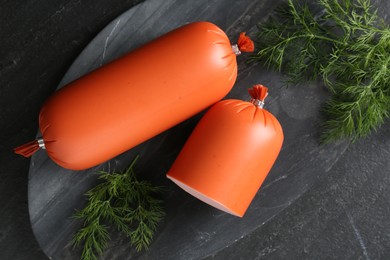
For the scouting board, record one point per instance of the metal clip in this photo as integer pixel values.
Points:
(236, 50)
(41, 143)
(257, 102)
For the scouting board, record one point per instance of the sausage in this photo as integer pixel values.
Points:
(229, 153)
(136, 97)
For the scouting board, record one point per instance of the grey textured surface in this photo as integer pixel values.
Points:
(319, 202)
(343, 216)
(189, 225)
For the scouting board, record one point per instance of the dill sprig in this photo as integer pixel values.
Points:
(343, 43)
(123, 202)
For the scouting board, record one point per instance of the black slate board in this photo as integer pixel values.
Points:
(191, 228)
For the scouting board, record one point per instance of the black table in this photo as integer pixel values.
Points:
(307, 184)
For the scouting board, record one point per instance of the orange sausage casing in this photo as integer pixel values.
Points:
(138, 96)
(228, 155)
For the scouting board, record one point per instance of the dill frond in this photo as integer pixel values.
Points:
(123, 202)
(341, 42)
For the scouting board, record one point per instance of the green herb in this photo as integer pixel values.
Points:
(123, 202)
(343, 43)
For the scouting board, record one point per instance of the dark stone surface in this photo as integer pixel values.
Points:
(190, 225)
(319, 202)
(343, 216)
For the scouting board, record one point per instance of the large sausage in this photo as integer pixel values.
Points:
(229, 154)
(136, 97)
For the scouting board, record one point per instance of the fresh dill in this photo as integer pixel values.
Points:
(123, 202)
(343, 43)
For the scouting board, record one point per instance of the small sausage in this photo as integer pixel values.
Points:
(229, 153)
